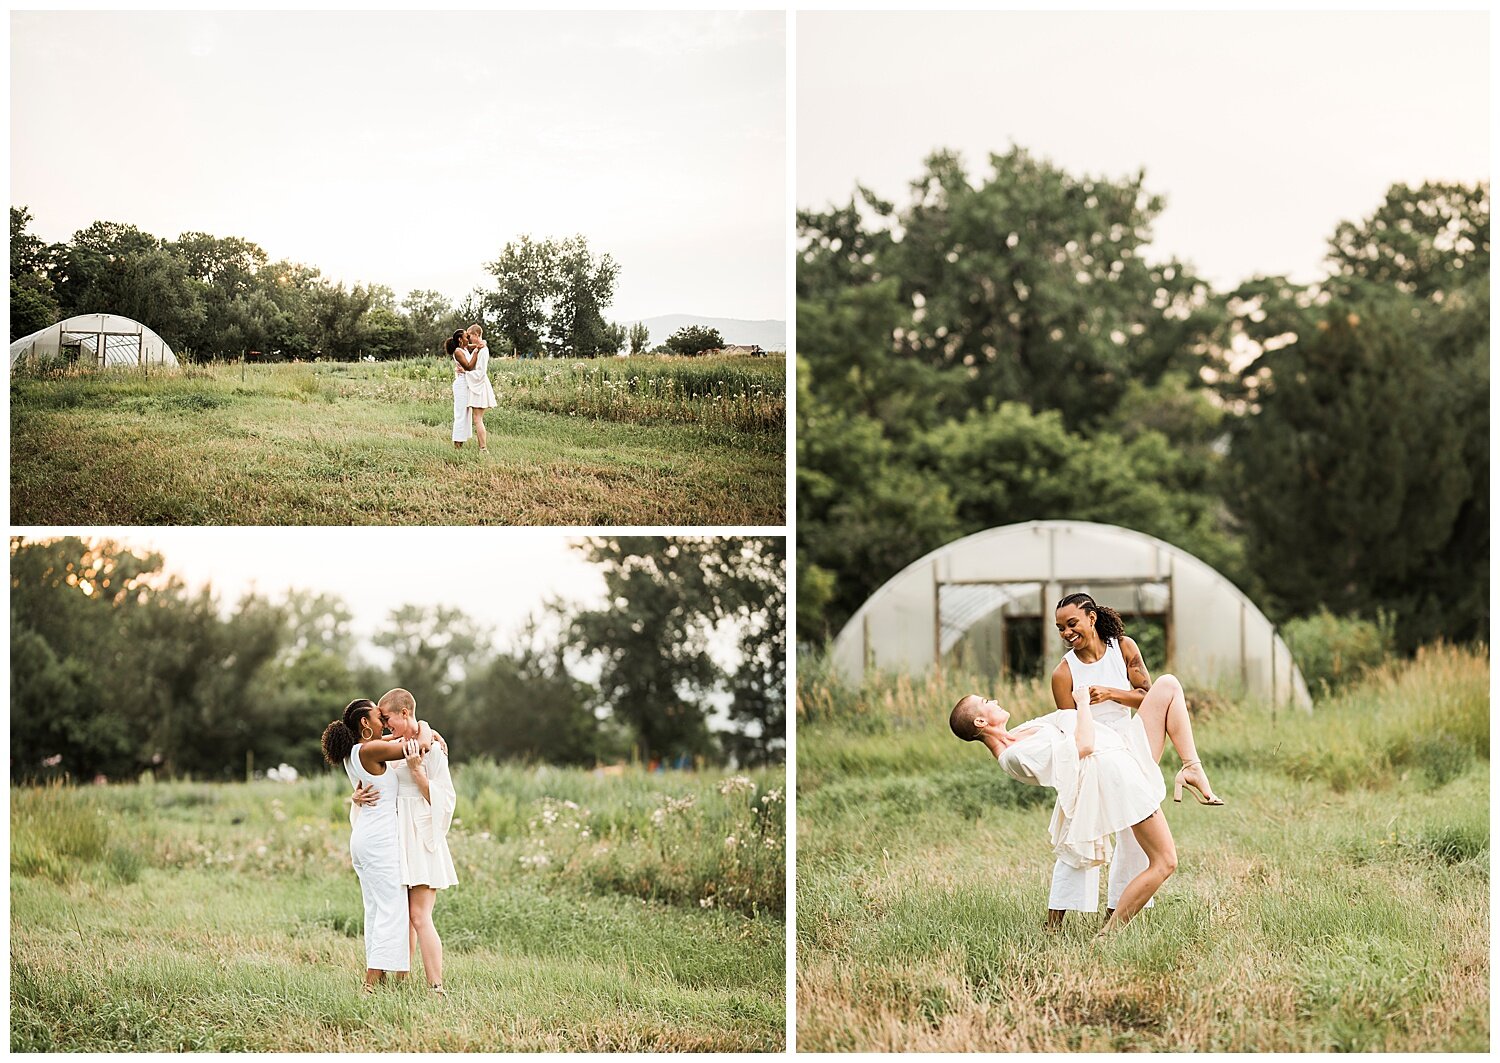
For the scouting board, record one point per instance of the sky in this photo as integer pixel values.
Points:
(407, 149)
(498, 578)
(1262, 130)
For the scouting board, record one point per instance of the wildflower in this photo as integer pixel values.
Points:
(735, 784)
(706, 902)
(730, 842)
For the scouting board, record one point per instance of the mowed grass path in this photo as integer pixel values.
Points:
(653, 442)
(1339, 902)
(227, 918)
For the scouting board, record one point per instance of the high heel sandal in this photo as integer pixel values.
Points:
(1178, 782)
(438, 990)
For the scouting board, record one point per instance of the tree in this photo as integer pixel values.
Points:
(585, 285)
(527, 705)
(33, 304)
(668, 597)
(1361, 464)
(1030, 285)
(640, 337)
(694, 339)
(526, 282)
(432, 649)
(431, 318)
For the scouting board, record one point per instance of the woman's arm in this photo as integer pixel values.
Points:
(473, 358)
(381, 751)
(1135, 671)
(1062, 686)
(1083, 734)
(418, 773)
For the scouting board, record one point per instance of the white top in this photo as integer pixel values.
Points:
(384, 810)
(481, 391)
(1115, 787)
(423, 824)
(1107, 671)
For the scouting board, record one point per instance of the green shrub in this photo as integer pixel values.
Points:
(1333, 651)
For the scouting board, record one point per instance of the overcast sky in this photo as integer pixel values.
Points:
(1262, 130)
(498, 578)
(407, 148)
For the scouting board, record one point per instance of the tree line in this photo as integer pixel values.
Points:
(216, 297)
(1005, 347)
(118, 668)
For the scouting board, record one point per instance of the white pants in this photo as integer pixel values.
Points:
(1077, 889)
(462, 425)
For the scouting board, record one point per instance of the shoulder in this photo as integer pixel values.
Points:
(1062, 671)
(1128, 647)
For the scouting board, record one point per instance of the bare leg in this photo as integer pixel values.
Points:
(1155, 838)
(1054, 919)
(422, 900)
(1164, 713)
(479, 432)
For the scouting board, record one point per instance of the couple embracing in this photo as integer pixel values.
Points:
(472, 391)
(403, 806)
(1102, 760)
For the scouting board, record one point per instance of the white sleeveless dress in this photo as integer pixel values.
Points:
(1111, 790)
(1107, 671)
(462, 427)
(422, 825)
(375, 848)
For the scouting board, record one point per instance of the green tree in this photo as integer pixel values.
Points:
(33, 304)
(640, 337)
(526, 704)
(694, 339)
(668, 598)
(432, 649)
(1361, 465)
(584, 285)
(525, 284)
(432, 319)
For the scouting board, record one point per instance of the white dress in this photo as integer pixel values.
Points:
(1114, 788)
(423, 825)
(461, 424)
(375, 848)
(481, 391)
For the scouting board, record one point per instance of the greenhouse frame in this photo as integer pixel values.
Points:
(99, 341)
(986, 602)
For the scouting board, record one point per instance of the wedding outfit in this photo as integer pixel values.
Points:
(461, 423)
(422, 826)
(375, 849)
(481, 391)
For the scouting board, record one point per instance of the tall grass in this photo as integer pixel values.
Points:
(642, 442)
(592, 913)
(1338, 902)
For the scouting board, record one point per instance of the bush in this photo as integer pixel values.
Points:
(1333, 651)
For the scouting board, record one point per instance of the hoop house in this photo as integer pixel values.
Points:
(989, 597)
(97, 340)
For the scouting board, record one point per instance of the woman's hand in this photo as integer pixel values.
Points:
(1098, 694)
(413, 756)
(365, 794)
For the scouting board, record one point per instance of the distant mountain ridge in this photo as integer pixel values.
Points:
(768, 334)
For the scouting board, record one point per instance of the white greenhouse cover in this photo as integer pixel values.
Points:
(100, 340)
(1215, 634)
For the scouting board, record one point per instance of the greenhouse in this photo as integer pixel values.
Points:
(985, 603)
(94, 340)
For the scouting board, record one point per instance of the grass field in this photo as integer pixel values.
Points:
(606, 914)
(1340, 901)
(651, 440)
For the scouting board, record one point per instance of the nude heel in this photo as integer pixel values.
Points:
(1178, 782)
